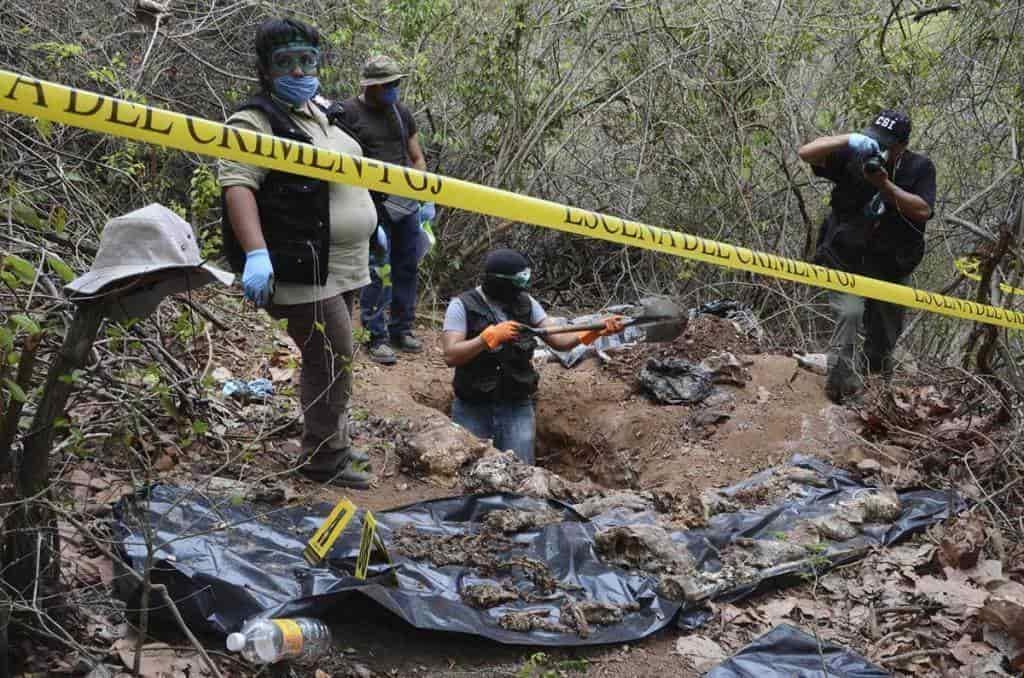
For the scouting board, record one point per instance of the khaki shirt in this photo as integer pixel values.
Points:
(353, 216)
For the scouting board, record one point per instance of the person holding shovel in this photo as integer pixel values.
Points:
(487, 340)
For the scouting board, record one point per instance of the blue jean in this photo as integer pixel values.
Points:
(397, 299)
(510, 425)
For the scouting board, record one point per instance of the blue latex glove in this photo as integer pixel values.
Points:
(863, 145)
(427, 212)
(381, 238)
(258, 277)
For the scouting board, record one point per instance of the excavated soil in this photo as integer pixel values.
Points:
(593, 424)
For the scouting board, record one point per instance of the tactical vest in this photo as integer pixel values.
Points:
(505, 375)
(294, 212)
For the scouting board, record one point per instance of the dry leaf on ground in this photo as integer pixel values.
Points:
(1005, 609)
(967, 652)
(961, 544)
(961, 598)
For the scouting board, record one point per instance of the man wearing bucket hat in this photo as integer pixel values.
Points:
(144, 256)
(493, 357)
(387, 131)
(882, 198)
(302, 244)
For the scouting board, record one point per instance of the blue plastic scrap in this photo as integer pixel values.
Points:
(256, 389)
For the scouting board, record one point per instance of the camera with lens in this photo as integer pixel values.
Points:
(874, 162)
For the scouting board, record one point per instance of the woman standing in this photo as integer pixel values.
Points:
(301, 244)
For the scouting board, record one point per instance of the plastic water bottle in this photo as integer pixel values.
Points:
(267, 641)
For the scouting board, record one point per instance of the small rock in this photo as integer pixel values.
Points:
(402, 487)
(708, 418)
(360, 671)
(869, 466)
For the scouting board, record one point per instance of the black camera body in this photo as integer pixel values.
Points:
(873, 162)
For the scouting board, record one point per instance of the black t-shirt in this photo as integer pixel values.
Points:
(378, 130)
(894, 246)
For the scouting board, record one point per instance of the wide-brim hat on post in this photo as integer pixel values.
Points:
(380, 70)
(153, 242)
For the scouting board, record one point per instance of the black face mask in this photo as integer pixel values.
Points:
(505, 292)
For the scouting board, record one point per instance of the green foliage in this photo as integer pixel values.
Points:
(62, 270)
(16, 392)
(17, 271)
(58, 52)
(203, 192)
(109, 75)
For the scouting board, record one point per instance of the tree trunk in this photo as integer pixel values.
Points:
(33, 536)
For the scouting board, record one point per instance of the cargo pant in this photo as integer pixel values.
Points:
(326, 377)
(882, 324)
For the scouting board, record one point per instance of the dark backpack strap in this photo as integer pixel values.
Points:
(337, 115)
(402, 132)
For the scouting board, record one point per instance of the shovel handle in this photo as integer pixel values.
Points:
(562, 329)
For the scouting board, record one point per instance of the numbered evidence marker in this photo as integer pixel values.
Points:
(367, 541)
(323, 539)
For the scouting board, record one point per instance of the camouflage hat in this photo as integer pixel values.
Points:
(379, 70)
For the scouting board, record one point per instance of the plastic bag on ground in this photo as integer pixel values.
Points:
(788, 652)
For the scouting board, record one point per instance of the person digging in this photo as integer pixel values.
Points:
(486, 340)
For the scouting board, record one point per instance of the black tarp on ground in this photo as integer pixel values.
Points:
(240, 564)
(788, 652)
(225, 562)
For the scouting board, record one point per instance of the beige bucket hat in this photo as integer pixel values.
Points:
(148, 242)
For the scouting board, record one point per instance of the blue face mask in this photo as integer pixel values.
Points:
(388, 96)
(296, 91)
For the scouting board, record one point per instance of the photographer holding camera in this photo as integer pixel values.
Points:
(882, 198)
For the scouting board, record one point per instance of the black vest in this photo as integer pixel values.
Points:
(294, 213)
(505, 375)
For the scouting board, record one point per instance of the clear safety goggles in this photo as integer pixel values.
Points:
(521, 279)
(287, 59)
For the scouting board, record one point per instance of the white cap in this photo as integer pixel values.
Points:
(236, 641)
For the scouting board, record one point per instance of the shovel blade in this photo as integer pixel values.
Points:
(660, 319)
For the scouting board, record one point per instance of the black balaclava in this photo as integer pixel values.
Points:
(504, 262)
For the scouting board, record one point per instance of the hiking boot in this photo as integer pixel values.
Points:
(335, 467)
(382, 353)
(351, 476)
(407, 343)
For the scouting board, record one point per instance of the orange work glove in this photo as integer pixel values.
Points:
(496, 335)
(612, 325)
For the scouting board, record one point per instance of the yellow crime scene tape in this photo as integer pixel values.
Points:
(969, 266)
(78, 108)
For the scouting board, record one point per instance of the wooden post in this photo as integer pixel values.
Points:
(32, 520)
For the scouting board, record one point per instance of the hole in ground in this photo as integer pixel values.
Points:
(570, 440)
